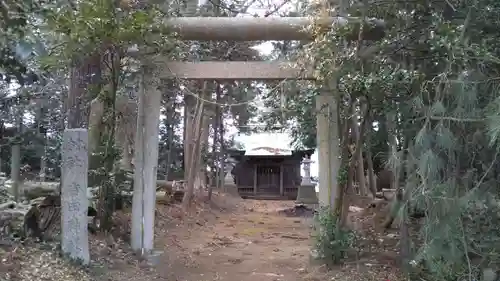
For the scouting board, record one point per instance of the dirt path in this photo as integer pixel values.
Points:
(244, 240)
(253, 242)
(227, 239)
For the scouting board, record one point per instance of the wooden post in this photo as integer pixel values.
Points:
(255, 179)
(282, 191)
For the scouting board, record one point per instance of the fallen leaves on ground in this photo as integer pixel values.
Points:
(219, 229)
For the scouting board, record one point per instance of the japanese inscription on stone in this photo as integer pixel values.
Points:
(74, 199)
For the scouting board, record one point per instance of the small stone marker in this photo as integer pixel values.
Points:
(74, 201)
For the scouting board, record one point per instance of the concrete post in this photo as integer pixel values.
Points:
(146, 161)
(328, 147)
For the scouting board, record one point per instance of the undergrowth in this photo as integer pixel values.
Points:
(332, 242)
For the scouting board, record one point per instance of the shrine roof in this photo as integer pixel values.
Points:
(269, 152)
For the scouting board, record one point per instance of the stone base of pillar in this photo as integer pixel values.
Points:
(231, 188)
(307, 194)
(154, 257)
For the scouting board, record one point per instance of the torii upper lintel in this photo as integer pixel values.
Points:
(257, 29)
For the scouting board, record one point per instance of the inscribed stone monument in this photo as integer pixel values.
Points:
(74, 201)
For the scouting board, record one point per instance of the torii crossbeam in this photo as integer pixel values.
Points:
(265, 29)
(252, 29)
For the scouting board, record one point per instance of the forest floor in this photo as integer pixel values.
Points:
(228, 239)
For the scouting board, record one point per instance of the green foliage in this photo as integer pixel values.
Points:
(15, 48)
(106, 30)
(332, 243)
(436, 72)
(92, 26)
(98, 171)
(111, 180)
(342, 175)
(297, 112)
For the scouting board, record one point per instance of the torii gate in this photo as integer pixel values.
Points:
(230, 29)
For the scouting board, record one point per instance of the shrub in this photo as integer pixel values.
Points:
(332, 242)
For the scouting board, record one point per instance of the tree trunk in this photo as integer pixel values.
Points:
(369, 157)
(193, 167)
(214, 162)
(370, 172)
(351, 169)
(405, 247)
(222, 158)
(108, 96)
(95, 125)
(188, 133)
(83, 74)
(340, 197)
(15, 164)
(358, 158)
(170, 139)
(395, 171)
(43, 136)
(126, 124)
(201, 178)
(217, 140)
(189, 9)
(43, 162)
(169, 160)
(15, 170)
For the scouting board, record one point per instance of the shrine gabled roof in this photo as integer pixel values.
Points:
(270, 152)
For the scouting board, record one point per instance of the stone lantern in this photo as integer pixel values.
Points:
(307, 190)
(306, 179)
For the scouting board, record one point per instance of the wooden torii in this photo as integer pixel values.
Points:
(230, 29)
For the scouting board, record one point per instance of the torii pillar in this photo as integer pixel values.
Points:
(228, 29)
(146, 158)
(328, 145)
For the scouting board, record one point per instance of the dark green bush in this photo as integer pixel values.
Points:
(332, 242)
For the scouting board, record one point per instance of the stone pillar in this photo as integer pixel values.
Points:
(15, 170)
(307, 189)
(229, 184)
(328, 144)
(146, 160)
(228, 178)
(74, 201)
